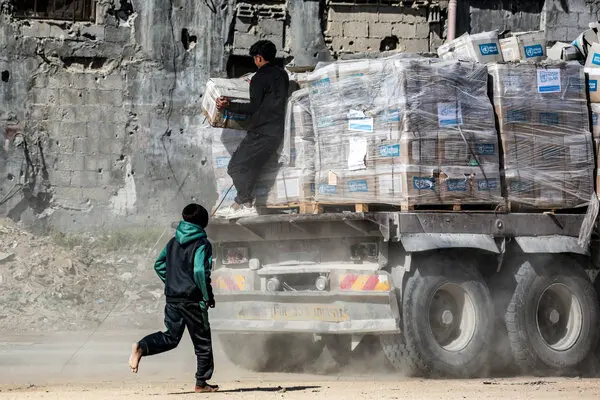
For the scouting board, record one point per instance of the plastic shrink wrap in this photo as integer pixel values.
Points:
(544, 128)
(404, 131)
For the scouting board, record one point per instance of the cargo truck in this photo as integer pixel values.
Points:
(444, 293)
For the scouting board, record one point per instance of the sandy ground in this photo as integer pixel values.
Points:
(75, 366)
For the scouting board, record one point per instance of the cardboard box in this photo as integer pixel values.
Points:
(419, 184)
(288, 186)
(585, 41)
(482, 47)
(578, 187)
(234, 89)
(527, 46)
(563, 52)
(360, 186)
(593, 57)
(518, 150)
(520, 185)
(596, 120)
(476, 148)
(411, 149)
(593, 79)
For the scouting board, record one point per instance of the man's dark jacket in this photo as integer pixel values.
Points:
(268, 97)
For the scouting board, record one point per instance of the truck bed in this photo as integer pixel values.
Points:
(395, 226)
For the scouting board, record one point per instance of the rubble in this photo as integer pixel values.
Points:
(59, 283)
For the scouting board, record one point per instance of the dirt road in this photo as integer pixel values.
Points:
(69, 366)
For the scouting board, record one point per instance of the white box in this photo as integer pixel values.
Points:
(482, 47)
(527, 46)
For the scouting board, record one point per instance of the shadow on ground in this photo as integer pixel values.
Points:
(260, 389)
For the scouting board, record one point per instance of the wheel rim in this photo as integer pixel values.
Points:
(559, 317)
(452, 317)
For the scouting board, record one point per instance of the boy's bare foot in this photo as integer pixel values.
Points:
(206, 388)
(134, 358)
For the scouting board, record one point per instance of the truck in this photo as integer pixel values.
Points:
(456, 294)
(445, 284)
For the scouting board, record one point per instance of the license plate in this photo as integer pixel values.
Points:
(293, 312)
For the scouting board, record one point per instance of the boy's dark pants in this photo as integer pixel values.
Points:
(177, 317)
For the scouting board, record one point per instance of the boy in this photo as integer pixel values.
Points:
(184, 266)
(268, 98)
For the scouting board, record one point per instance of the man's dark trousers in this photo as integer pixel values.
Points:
(247, 162)
(177, 317)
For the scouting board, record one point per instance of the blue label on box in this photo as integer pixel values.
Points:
(222, 161)
(486, 149)
(596, 59)
(535, 50)
(575, 84)
(549, 118)
(327, 189)
(234, 117)
(488, 49)
(423, 183)
(358, 186)
(516, 116)
(595, 119)
(321, 83)
(593, 85)
(487, 184)
(389, 150)
(456, 185)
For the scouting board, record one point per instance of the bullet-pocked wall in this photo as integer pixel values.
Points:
(99, 118)
(563, 20)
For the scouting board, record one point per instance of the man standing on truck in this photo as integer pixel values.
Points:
(268, 98)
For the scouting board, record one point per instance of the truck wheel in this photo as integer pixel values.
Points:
(552, 318)
(340, 348)
(293, 352)
(248, 351)
(447, 318)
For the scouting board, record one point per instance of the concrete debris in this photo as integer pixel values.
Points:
(51, 286)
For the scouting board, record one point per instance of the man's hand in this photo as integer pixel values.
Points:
(222, 103)
(211, 303)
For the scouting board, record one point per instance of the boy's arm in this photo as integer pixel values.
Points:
(160, 266)
(202, 269)
(257, 93)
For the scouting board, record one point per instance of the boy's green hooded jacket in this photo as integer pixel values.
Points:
(185, 265)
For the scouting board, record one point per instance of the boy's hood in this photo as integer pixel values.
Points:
(186, 232)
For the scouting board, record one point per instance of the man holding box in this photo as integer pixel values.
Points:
(268, 97)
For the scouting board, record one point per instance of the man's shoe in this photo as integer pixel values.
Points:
(206, 388)
(226, 212)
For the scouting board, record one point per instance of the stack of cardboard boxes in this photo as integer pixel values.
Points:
(293, 181)
(592, 72)
(404, 131)
(544, 128)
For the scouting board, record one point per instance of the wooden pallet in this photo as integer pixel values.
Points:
(314, 207)
(454, 207)
(322, 207)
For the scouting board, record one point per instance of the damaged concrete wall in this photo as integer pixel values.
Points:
(100, 121)
(417, 28)
(563, 20)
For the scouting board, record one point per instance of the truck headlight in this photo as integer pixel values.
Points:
(322, 283)
(273, 285)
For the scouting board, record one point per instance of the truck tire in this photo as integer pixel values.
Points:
(294, 352)
(248, 351)
(340, 348)
(448, 322)
(271, 352)
(552, 317)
